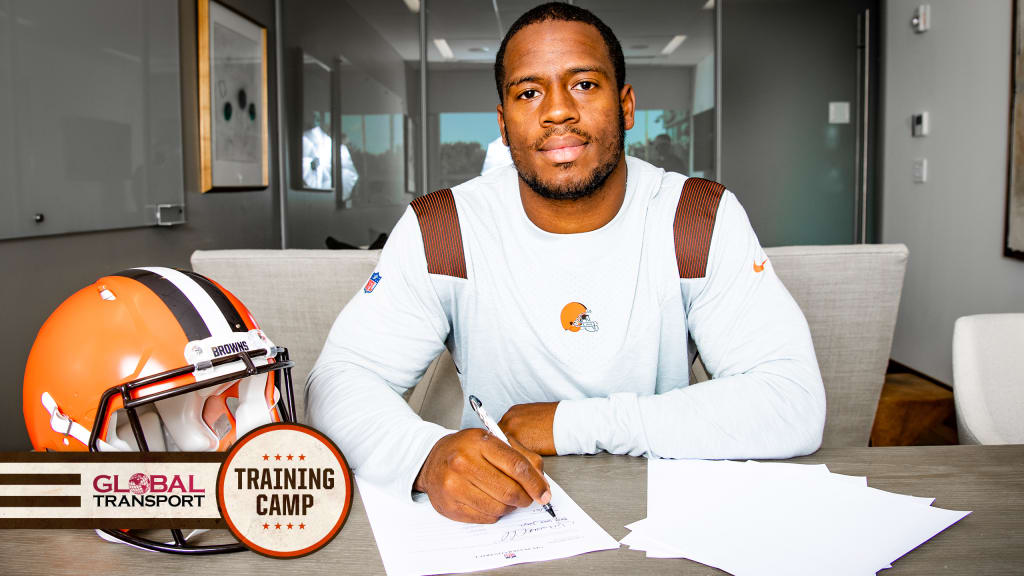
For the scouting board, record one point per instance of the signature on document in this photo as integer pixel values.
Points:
(535, 527)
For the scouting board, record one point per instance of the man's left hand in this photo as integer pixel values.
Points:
(532, 425)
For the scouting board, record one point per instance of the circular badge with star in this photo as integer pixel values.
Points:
(284, 490)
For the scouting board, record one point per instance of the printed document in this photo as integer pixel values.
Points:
(414, 539)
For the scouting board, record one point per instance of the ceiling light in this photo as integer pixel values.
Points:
(709, 5)
(444, 48)
(671, 46)
(414, 5)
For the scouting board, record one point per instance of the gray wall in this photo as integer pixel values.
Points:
(41, 272)
(960, 73)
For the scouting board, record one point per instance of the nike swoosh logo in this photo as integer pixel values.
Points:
(759, 267)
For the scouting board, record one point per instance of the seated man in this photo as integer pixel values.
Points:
(565, 287)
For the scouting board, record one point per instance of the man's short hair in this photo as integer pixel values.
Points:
(560, 11)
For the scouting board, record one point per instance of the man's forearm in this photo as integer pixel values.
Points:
(774, 412)
(382, 438)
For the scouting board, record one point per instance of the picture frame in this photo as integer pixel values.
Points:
(234, 136)
(1014, 239)
(315, 145)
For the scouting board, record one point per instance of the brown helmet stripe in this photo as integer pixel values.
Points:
(177, 302)
(694, 224)
(442, 237)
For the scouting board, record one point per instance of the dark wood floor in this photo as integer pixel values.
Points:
(914, 410)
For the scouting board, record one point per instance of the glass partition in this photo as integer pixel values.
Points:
(369, 50)
(374, 51)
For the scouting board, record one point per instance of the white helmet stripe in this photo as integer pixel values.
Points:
(207, 308)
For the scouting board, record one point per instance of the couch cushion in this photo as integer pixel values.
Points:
(850, 296)
(295, 295)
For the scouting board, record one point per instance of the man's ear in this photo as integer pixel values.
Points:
(501, 125)
(627, 99)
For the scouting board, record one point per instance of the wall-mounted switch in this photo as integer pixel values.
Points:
(919, 124)
(920, 170)
(922, 19)
(838, 112)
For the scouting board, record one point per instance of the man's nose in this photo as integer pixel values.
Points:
(559, 108)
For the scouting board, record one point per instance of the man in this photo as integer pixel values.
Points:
(665, 156)
(565, 287)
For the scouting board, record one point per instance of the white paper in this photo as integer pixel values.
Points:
(414, 539)
(776, 518)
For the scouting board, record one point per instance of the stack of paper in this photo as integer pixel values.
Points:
(414, 539)
(772, 518)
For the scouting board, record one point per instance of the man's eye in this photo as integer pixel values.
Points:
(586, 85)
(528, 94)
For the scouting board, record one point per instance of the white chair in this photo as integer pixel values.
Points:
(988, 378)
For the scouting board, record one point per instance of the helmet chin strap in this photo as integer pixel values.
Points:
(62, 424)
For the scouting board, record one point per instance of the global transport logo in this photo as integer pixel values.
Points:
(141, 490)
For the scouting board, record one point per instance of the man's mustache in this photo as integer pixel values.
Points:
(555, 131)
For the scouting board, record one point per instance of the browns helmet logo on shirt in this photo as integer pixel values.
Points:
(576, 316)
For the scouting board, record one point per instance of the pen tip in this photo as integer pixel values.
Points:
(550, 510)
(474, 401)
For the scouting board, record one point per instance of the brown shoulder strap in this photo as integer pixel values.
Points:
(442, 237)
(694, 223)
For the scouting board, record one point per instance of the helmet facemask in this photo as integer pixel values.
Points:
(209, 419)
(207, 415)
(583, 321)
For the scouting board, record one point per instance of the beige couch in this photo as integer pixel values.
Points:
(850, 295)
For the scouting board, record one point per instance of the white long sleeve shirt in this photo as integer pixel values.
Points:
(621, 377)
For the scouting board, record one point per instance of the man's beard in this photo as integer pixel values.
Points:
(581, 188)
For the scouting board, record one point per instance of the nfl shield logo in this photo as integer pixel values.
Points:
(371, 283)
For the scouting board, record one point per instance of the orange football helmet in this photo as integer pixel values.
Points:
(576, 316)
(153, 359)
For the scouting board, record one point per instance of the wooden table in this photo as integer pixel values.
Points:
(986, 479)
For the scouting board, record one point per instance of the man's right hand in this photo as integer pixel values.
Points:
(471, 476)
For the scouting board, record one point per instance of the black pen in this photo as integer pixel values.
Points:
(495, 431)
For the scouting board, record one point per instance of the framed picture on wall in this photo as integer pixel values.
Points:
(1015, 188)
(233, 121)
